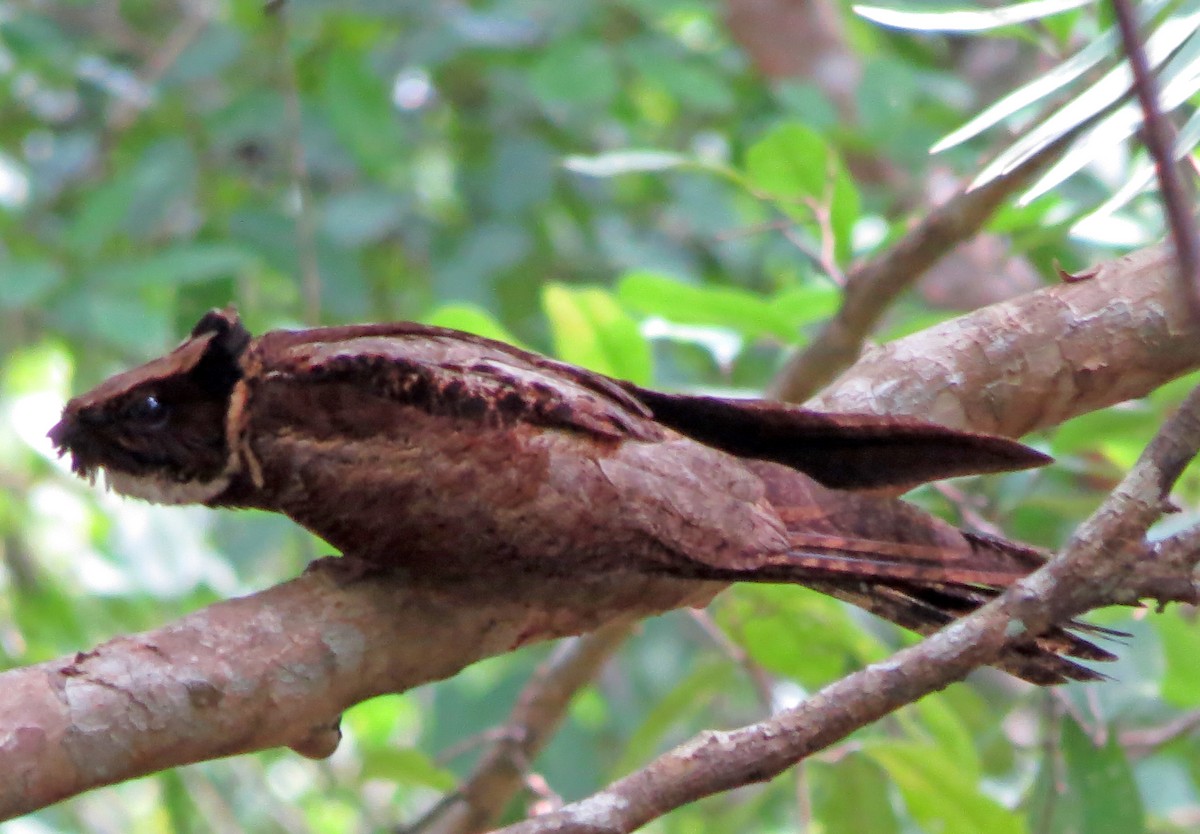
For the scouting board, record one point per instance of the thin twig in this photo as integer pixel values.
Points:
(195, 20)
(757, 674)
(502, 769)
(874, 285)
(1158, 137)
(1145, 740)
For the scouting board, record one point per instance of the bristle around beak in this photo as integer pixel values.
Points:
(66, 437)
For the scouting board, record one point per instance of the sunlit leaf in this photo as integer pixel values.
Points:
(405, 764)
(966, 19)
(1179, 80)
(748, 314)
(471, 319)
(1044, 85)
(796, 632)
(1103, 93)
(1143, 174)
(591, 329)
(789, 163)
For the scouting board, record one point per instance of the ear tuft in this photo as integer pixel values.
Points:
(231, 336)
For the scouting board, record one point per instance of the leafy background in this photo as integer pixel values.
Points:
(627, 185)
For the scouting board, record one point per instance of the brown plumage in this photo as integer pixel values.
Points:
(450, 455)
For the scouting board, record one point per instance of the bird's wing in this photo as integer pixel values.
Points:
(842, 451)
(452, 374)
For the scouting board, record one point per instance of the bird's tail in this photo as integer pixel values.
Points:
(906, 566)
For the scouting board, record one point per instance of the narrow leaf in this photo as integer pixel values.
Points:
(624, 162)
(1053, 80)
(1179, 79)
(941, 795)
(967, 19)
(1045, 84)
(1109, 89)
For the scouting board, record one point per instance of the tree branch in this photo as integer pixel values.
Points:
(277, 667)
(1036, 360)
(874, 285)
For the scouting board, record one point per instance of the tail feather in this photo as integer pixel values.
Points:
(908, 567)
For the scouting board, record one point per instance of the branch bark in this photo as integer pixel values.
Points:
(1036, 360)
(873, 286)
(277, 667)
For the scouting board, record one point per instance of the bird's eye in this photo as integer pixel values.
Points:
(149, 410)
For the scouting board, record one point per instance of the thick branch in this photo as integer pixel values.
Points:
(1036, 360)
(276, 668)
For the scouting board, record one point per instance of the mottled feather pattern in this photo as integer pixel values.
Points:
(448, 455)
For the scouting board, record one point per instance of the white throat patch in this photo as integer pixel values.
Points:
(160, 490)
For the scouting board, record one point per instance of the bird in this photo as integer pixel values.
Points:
(450, 455)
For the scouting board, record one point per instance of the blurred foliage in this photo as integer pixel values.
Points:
(610, 182)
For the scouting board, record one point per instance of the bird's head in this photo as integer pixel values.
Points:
(158, 431)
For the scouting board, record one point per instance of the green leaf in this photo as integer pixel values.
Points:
(591, 329)
(101, 212)
(939, 794)
(470, 319)
(1091, 790)
(796, 632)
(120, 321)
(405, 764)
(1130, 425)
(746, 313)
(793, 166)
(360, 110)
(942, 723)
(851, 795)
(1181, 646)
(692, 83)
(967, 18)
(188, 263)
(1178, 80)
(579, 73)
(809, 304)
(689, 697)
(789, 163)
(1105, 91)
(1044, 85)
